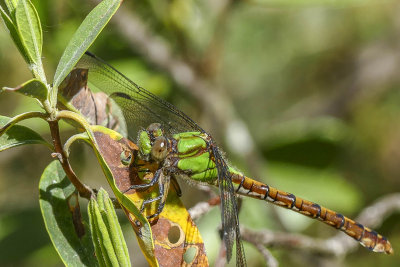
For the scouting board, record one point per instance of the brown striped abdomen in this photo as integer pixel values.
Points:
(367, 237)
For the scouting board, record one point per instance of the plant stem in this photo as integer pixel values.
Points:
(84, 190)
(68, 143)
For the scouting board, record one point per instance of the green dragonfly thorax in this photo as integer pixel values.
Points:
(187, 154)
(191, 155)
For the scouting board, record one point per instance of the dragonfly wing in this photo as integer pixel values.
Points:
(139, 106)
(230, 212)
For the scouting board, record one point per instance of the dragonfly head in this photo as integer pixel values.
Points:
(152, 143)
(159, 149)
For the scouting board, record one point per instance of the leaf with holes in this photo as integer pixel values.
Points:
(176, 238)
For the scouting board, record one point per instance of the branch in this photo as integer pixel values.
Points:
(201, 208)
(337, 246)
(84, 190)
(269, 258)
(267, 238)
(372, 216)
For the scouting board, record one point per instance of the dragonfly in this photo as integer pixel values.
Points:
(183, 150)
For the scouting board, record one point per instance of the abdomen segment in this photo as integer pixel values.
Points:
(367, 237)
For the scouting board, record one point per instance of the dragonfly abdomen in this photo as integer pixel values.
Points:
(367, 237)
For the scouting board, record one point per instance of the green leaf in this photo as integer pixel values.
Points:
(84, 37)
(30, 32)
(111, 221)
(28, 24)
(109, 242)
(11, 5)
(33, 88)
(18, 135)
(14, 34)
(56, 193)
(95, 237)
(104, 249)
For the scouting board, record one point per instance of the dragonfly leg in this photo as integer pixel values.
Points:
(159, 210)
(163, 191)
(148, 201)
(163, 188)
(145, 186)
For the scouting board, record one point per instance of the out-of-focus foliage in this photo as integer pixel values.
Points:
(317, 86)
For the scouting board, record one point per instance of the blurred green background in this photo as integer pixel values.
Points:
(300, 95)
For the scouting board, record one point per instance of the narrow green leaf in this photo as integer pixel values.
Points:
(28, 24)
(103, 242)
(33, 88)
(11, 5)
(110, 219)
(30, 32)
(18, 135)
(84, 37)
(14, 34)
(95, 237)
(55, 194)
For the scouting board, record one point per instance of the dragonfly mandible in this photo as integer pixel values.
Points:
(183, 150)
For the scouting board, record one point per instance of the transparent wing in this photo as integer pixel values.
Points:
(230, 213)
(139, 106)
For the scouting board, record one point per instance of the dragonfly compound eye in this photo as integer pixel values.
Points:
(126, 157)
(159, 150)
